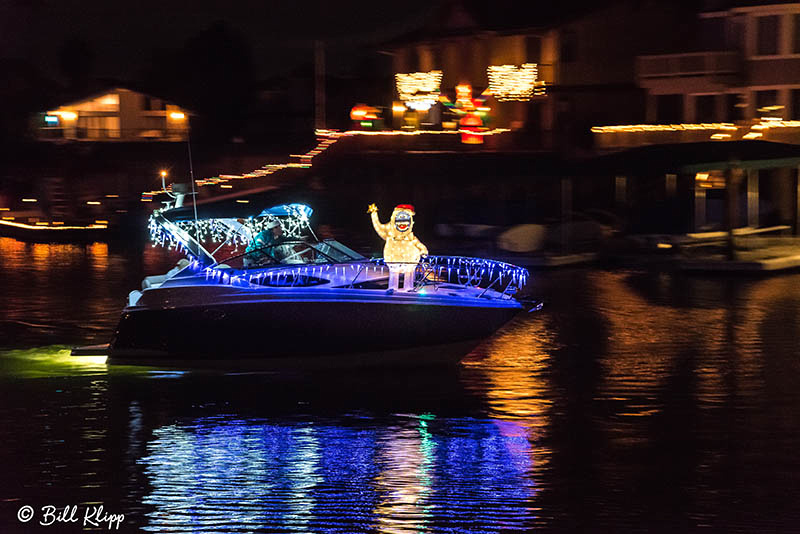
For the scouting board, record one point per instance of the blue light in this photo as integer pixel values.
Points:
(51, 119)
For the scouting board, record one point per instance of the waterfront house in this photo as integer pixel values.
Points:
(117, 114)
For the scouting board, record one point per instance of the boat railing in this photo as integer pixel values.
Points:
(500, 277)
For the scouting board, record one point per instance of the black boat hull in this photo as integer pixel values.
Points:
(285, 332)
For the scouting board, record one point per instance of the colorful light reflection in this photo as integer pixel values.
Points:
(347, 476)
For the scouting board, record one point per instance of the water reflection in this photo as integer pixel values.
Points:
(417, 474)
(633, 401)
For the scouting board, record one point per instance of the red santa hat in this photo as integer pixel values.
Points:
(406, 207)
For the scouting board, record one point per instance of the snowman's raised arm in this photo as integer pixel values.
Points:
(381, 229)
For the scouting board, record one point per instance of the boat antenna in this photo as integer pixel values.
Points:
(194, 194)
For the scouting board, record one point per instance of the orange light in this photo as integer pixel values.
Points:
(177, 116)
(163, 173)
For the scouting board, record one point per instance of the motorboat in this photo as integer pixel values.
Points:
(301, 300)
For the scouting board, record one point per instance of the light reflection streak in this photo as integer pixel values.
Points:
(404, 480)
(235, 474)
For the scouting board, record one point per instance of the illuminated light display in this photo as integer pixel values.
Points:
(464, 96)
(512, 83)
(66, 115)
(7, 221)
(51, 119)
(177, 116)
(402, 250)
(29, 200)
(720, 136)
(93, 203)
(235, 232)
(752, 135)
(326, 138)
(419, 90)
(664, 127)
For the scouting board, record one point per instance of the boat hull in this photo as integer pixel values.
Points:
(320, 332)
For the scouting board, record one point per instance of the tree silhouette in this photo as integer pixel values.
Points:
(76, 61)
(217, 80)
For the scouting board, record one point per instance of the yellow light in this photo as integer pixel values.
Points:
(41, 224)
(101, 222)
(66, 115)
(29, 200)
(419, 89)
(58, 222)
(7, 222)
(664, 245)
(92, 360)
(243, 201)
(509, 82)
(5, 209)
(629, 128)
(752, 135)
(177, 116)
(146, 199)
(112, 196)
(226, 186)
(163, 173)
(700, 176)
(720, 136)
(93, 202)
(399, 108)
(109, 100)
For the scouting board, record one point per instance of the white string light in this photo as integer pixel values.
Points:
(509, 82)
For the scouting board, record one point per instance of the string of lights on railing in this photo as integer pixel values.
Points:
(475, 272)
(724, 130)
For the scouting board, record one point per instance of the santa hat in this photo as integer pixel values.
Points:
(406, 207)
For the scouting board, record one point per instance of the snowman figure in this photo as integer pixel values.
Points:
(403, 250)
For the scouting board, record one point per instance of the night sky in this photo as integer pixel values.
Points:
(124, 37)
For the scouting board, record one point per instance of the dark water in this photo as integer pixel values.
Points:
(632, 402)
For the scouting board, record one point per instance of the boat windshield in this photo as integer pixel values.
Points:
(294, 252)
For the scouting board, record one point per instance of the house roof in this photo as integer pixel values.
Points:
(110, 89)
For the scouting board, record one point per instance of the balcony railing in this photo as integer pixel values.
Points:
(689, 64)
